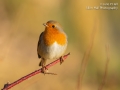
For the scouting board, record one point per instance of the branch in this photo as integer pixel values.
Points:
(8, 86)
(106, 68)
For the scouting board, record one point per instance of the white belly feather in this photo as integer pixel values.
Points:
(52, 52)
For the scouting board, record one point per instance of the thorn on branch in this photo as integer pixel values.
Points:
(6, 85)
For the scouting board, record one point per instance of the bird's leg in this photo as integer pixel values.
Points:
(44, 68)
(61, 60)
(43, 63)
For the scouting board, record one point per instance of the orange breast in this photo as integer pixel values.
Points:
(52, 35)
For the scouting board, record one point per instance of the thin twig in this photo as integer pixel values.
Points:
(85, 59)
(106, 68)
(8, 86)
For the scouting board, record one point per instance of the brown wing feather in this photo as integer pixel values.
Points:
(39, 44)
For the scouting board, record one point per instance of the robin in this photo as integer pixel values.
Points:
(52, 43)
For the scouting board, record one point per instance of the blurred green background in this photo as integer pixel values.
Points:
(21, 24)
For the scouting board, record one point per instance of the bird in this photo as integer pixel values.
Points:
(52, 43)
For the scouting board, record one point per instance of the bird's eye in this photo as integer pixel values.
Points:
(53, 26)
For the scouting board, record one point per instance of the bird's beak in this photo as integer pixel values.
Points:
(45, 24)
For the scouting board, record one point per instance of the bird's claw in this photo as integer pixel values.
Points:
(44, 70)
(61, 60)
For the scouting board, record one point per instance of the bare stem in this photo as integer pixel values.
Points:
(85, 60)
(8, 86)
(106, 69)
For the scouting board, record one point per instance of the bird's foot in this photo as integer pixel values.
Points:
(44, 70)
(61, 60)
